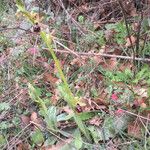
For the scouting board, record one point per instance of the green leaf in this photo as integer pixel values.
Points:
(84, 116)
(81, 19)
(81, 126)
(4, 106)
(110, 26)
(87, 115)
(95, 134)
(51, 118)
(20, 4)
(2, 140)
(78, 139)
(37, 137)
(4, 125)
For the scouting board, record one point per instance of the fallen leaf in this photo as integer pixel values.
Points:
(34, 117)
(110, 63)
(143, 105)
(109, 34)
(79, 61)
(142, 92)
(22, 146)
(58, 146)
(97, 59)
(135, 26)
(55, 97)
(130, 43)
(48, 77)
(95, 121)
(25, 119)
(138, 102)
(135, 130)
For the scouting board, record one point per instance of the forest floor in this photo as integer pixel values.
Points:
(94, 96)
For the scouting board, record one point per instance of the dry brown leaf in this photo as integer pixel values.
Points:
(25, 119)
(55, 96)
(111, 63)
(143, 105)
(125, 66)
(22, 146)
(48, 77)
(97, 59)
(142, 92)
(58, 146)
(34, 117)
(109, 34)
(135, 130)
(95, 121)
(135, 26)
(79, 61)
(97, 26)
(133, 41)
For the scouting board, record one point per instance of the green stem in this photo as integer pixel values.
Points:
(48, 40)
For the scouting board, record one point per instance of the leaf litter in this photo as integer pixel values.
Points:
(96, 81)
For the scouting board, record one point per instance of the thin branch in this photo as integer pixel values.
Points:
(101, 55)
(133, 114)
(127, 28)
(66, 48)
(72, 19)
(14, 28)
(139, 33)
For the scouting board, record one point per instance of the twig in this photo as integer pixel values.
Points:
(14, 138)
(138, 33)
(102, 55)
(66, 48)
(127, 28)
(126, 23)
(70, 17)
(126, 143)
(15, 28)
(128, 112)
(145, 40)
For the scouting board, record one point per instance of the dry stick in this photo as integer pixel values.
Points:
(138, 33)
(43, 129)
(128, 112)
(18, 135)
(101, 55)
(14, 28)
(146, 129)
(70, 17)
(127, 28)
(145, 40)
(66, 48)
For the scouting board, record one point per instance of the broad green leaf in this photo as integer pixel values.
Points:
(64, 117)
(87, 115)
(84, 116)
(51, 118)
(81, 126)
(37, 137)
(4, 106)
(20, 4)
(5, 125)
(2, 140)
(81, 19)
(95, 134)
(78, 139)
